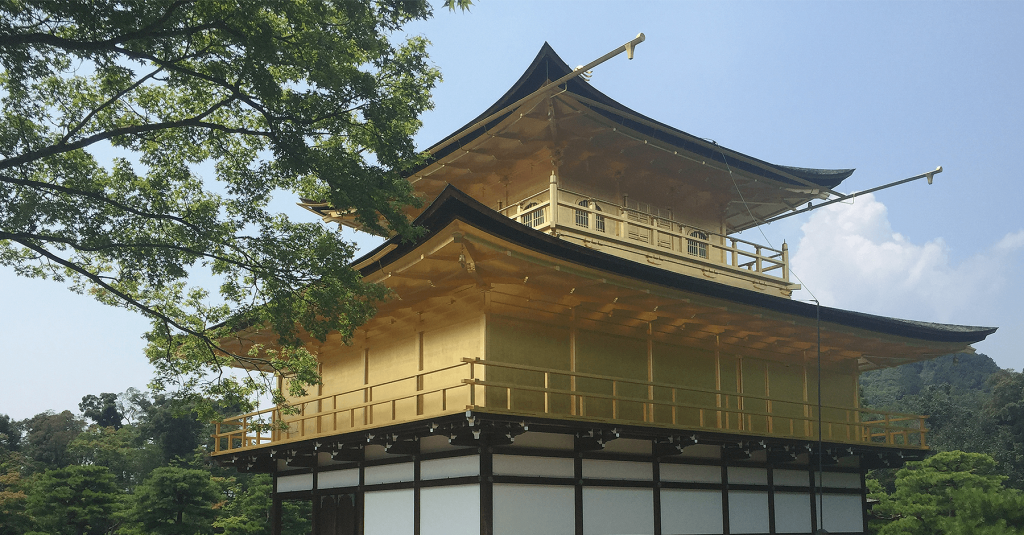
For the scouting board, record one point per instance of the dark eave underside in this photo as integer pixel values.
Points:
(452, 204)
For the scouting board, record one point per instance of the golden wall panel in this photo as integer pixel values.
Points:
(445, 346)
(753, 377)
(396, 365)
(533, 344)
(687, 367)
(615, 356)
(786, 386)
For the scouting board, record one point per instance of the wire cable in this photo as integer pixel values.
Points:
(819, 482)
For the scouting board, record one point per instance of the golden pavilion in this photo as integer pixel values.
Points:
(579, 344)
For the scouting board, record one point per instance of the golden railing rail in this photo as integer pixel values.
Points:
(605, 399)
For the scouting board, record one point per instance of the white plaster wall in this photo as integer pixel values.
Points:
(515, 465)
(691, 473)
(685, 512)
(793, 512)
(295, 482)
(389, 512)
(843, 512)
(617, 511)
(601, 469)
(388, 473)
(841, 480)
(748, 476)
(534, 510)
(791, 478)
(450, 467)
(333, 479)
(748, 511)
(450, 510)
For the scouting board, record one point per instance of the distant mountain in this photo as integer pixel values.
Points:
(886, 388)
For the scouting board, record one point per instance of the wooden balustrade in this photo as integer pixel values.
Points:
(649, 233)
(664, 405)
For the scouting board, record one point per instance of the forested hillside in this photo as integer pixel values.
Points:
(976, 419)
(972, 404)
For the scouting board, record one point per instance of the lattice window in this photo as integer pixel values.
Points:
(532, 219)
(699, 246)
(583, 217)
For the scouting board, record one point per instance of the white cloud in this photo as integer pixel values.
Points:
(850, 257)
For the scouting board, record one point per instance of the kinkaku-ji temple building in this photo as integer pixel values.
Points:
(579, 345)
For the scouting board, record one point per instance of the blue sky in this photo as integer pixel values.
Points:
(890, 88)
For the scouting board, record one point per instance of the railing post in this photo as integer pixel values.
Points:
(419, 397)
(785, 262)
(547, 385)
(757, 259)
(674, 408)
(368, 411)
(615, 401)
(216, 443)
(472, 384)
(553, 199)
(735, 254)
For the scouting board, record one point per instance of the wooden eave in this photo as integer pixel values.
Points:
(474, 255)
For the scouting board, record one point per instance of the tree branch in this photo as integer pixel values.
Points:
(20, 236)
(110, 101)
(196, 121)
(95, 196)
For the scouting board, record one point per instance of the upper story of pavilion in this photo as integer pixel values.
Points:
(571, 162)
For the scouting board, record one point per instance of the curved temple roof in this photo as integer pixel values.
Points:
(482, 153)
(549, 66)
(759, 189)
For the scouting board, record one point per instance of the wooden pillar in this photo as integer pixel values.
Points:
(577, 460)
(417, 511)
(275, 510)
(656, 473)
(814, 493)
(486, 490)
(725, 492)
(771, 499)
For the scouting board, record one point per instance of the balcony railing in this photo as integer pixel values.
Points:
(650, 231)
(526, 391)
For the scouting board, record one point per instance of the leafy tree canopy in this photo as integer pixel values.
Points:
(77, 500)
(142, 140)
(127, 454)
(176, 501)
(48, 436)
(10, 434)
(951, 492)
(102, 409)
(13, 518)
